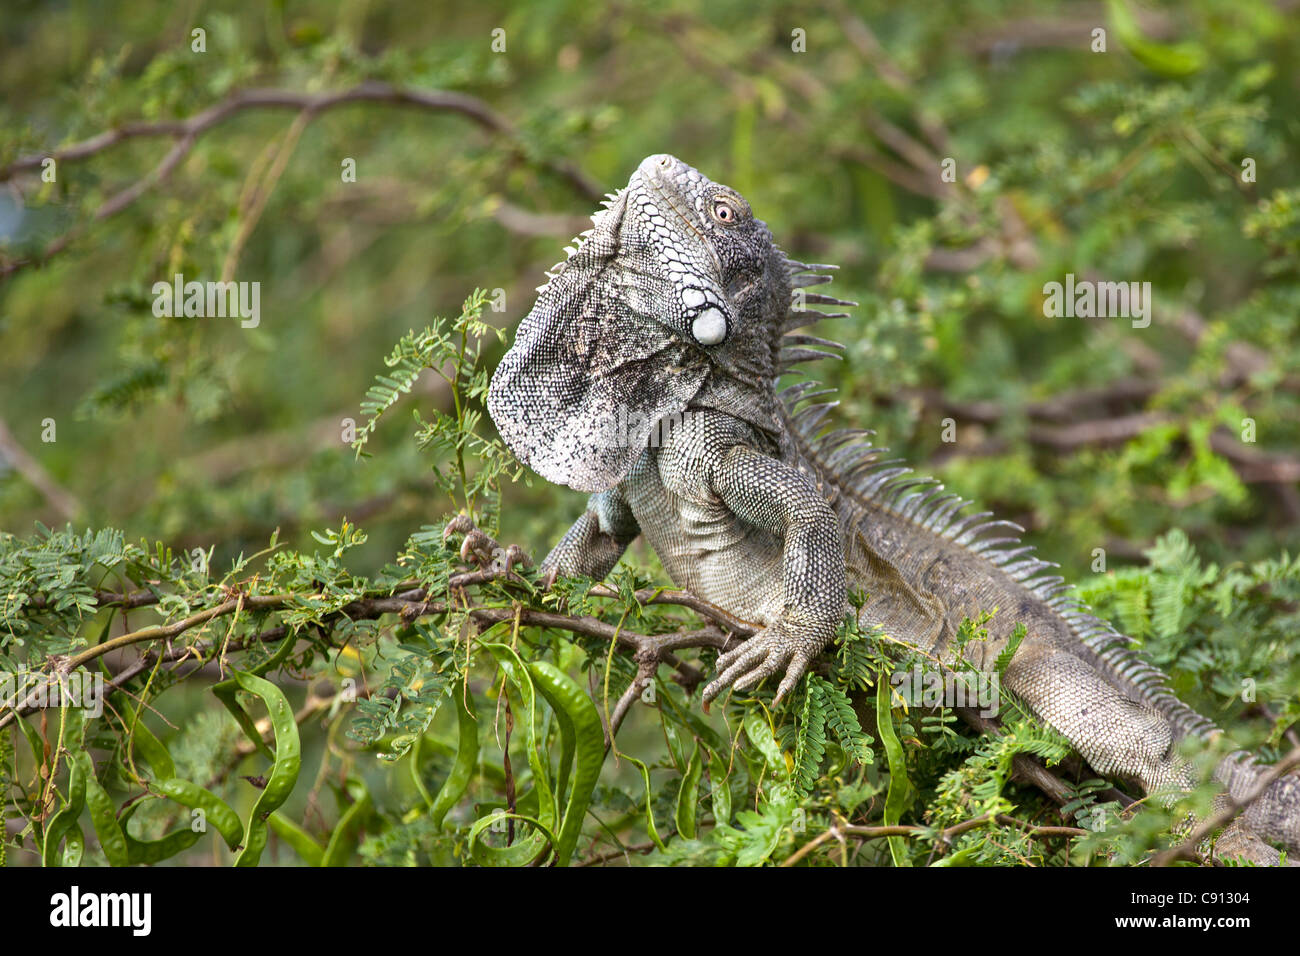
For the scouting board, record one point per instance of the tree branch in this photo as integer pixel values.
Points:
(186, 132)
(410, 600)
(12, 453)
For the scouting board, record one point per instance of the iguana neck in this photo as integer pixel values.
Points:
(756, 406)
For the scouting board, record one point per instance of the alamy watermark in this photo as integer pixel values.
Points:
(1085, 299)
(194, 299)
(33, 689)
(75, 908)
(623, 426)
(941, 687)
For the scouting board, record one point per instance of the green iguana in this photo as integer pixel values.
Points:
(647, 373)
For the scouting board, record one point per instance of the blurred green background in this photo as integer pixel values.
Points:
(832, 118)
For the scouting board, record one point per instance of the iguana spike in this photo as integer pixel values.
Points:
(989, 544)
(791, 357)
(918, 500)
(943, 511)
(974, 532)
(1049, 589)
(840, 436)
(858, 453)
(804, 280)
(1020, 570)
(800, 338)
(1002, 523)
(812, 415)
(955, 530)
(816, 298)
(1002, 557)
(856, 464)
(1105, 642)
(877, 479)
(793, 395)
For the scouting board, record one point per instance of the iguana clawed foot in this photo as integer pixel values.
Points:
(778, 647)
(482, 549)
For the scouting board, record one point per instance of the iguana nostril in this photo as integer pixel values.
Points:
(656, 166)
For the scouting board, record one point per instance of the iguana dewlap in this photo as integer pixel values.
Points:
(647, 374)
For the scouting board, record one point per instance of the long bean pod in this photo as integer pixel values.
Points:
(896, 798)
(103, 815)
(462, 769)
(284, 772)
(580, 724)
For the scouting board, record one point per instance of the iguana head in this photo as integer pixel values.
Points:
(675, 285)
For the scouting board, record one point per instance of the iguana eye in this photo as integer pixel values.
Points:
(725, 212)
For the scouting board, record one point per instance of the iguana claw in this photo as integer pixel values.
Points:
(482, 549)
(772, 650)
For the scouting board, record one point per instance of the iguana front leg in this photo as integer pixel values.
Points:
(773, 496)
(595, 542)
